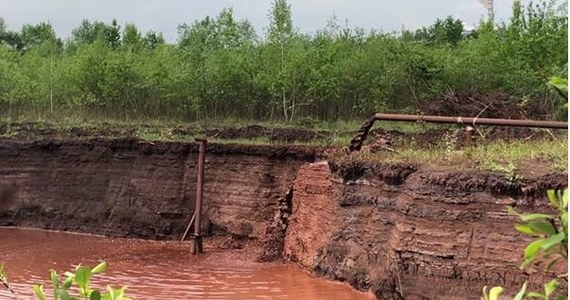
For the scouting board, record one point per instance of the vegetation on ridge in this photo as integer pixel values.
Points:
(222, 68)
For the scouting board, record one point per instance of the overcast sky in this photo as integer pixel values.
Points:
(308, 15)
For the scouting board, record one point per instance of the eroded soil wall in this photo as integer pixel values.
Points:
(399, 230)
(408, 233)
(141, 189)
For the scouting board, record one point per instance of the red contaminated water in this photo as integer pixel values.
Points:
(156, 270)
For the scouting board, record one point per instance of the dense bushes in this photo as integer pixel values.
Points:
(221, 68)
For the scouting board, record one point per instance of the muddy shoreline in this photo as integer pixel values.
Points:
(393, 229)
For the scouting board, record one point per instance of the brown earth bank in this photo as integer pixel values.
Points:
(277, 135)
(403, 231)
(411, 233)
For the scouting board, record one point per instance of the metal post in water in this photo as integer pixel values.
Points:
(197, 243)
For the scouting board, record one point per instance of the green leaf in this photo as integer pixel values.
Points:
(95, 295)
(533, 248)
(552, 241)
(68, 282)
(39, 290)
(100, 268)
(565, 199)
(521, 293)
(542, 227)
(63, 295)
(115, 294)
(559, 83)
(512, 211)
(82, 278)
(495, 293)
(535, 295)
(54, 279)
(55, 282)
(553, 197)
(532, 217)
(525, 229)
(550, 287)
(531, 251)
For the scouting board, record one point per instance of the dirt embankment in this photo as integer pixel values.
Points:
(139, 189)
(409, 233)
(400, 230)
(36, 130)
(426, 137)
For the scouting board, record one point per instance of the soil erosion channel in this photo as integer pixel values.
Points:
(399, 230)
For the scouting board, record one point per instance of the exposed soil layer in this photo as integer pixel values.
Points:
(32, 130)
(287, 135)
(428, 137)
(140, 189)
(400, 230)
(411, 233)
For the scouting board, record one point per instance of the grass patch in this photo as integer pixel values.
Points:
(498, 156)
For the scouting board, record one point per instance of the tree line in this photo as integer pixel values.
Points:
(220, 67)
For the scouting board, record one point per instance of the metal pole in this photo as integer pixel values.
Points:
(188, 227)
(468, 135)
(362, 133)
(197, 245)
(472, 121)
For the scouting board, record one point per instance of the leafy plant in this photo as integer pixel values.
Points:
(561, 86)
(80, 279)
(551, 244)
(5, 282)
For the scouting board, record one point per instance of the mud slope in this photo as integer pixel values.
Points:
(141, 189)
(408, 233)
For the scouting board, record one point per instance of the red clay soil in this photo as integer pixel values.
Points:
(131, 188)
(399, 230)
(410, 233)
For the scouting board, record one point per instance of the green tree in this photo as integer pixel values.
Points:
(448, 31)
(88, 32)
(10, 38)
(280, 76)
(132, 38)
(34, 36)
(152, 39)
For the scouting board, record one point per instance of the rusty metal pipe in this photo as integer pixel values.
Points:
(197, 245)
(358, 139)
(472, 121)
